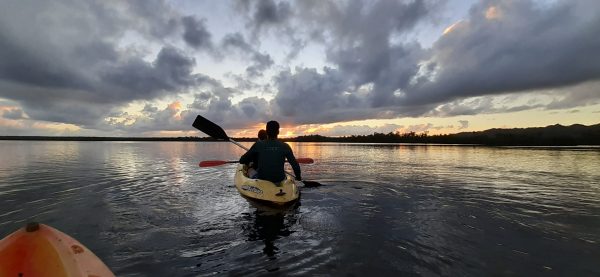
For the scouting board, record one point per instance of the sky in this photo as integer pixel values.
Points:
(328, 67)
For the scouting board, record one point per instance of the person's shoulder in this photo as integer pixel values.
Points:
(284, 144)
(257, 144)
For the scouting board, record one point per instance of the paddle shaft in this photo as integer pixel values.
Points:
(238, 144)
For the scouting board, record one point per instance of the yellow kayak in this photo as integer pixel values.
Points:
(40, 250)
(265, 191)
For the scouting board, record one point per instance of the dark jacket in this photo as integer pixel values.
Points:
(271, 155)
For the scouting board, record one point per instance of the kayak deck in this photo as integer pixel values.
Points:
(40, 250)
(285, 193)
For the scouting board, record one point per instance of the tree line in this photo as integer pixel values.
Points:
(554, 135)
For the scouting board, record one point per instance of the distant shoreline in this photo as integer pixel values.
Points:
(554, 135)
(74, 138)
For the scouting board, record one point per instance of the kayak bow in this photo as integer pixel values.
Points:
(40, 250)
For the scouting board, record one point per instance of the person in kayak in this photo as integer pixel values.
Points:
(271, 154)
(253, 166)
(262, 134)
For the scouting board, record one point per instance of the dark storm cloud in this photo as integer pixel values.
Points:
(265, 12)
(171, 71)
(307, 96)
(502, 47)
(115, 84)
(71, 69)
(358, 39)
(195, 33)
(513, 46)
(268, 11)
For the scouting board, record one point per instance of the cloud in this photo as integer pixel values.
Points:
(307, 96)
(195, 33)
(14, 113)
(523, 46)
(464, 124)
(358, 37)
(502, 47)
(581, 95)
(265, 13)
(73, 69)
(359, 41)
(261, 62)
(470, 106)
(153, 18)
(114, 85)
(135, 78)
(577, 96)
(154, 119)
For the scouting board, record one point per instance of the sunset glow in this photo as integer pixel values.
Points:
(492, 13)
(451, 27)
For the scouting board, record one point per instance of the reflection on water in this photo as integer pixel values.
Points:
(269, 224)
(147, 209)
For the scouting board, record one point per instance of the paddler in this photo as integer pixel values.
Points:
(253, 166)
(271, 154)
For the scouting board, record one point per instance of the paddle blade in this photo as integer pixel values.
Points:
(209, 128)
(305, 160)
(211, 163)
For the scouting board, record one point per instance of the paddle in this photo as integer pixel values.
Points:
(215, 131)
(215, 163)
(219, 162)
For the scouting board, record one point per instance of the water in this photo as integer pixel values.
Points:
(147, 209)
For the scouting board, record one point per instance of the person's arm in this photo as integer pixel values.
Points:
(249, 156)
(292, 160)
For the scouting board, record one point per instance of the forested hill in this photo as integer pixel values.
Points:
(543, 136)
(554, 135)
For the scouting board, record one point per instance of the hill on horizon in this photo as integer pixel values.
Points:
(576, 134)
(552, 135)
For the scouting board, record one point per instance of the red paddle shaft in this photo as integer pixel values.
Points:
(218, 162)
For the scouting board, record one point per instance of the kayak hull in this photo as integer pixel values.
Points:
(265, 191)
(40, 250)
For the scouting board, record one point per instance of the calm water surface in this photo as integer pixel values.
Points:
(147, 209)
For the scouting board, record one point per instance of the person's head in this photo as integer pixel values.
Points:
(262, 135)
(272, 129)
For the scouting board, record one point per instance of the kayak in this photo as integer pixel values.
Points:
(40, 250)
(284, 193)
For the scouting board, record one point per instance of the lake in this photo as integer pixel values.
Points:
(147, 209)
